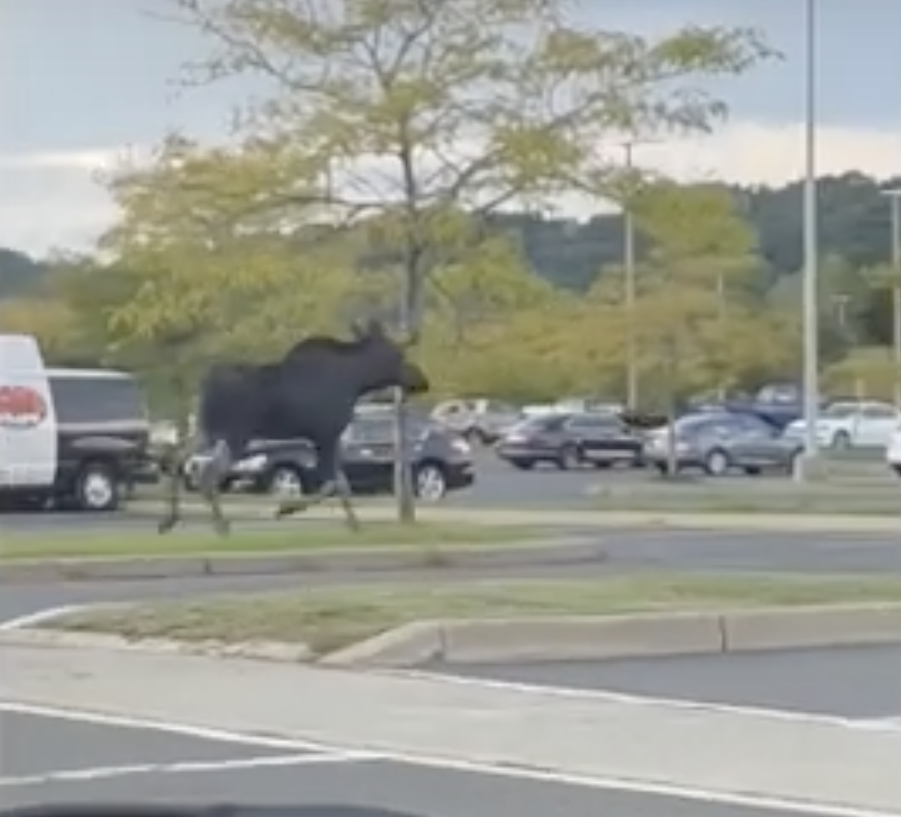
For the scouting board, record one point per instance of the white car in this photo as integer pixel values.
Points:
(893, 451)
(853, 423)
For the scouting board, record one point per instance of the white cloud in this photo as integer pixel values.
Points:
(52, 199)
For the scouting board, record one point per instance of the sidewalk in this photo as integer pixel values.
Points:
(793, 758)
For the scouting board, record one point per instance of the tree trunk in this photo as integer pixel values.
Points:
(403, 473)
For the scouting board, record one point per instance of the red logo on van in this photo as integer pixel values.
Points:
(21, 407)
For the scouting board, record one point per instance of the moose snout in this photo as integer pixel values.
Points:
(415, 380)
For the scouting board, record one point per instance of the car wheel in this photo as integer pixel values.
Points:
(430, 483)
(841, 440)
(716, 463)
(97, 488)
(569, 458)
(475, 436)
(285, 481)
(523, 465)
(897, 470)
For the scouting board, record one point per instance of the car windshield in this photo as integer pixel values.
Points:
(691, 423)
(372, 429)
(839, 410)
(542, 423)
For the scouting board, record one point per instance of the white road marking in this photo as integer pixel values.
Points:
(873, 724)
(503, 770)
(47, 614)
(148, 724)
(191, 767)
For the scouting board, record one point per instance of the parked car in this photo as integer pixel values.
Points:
(893, 451)
(479, 420)
(719, 443)
(69, 437)
(570, 441)
(851, 424)
(442, 461)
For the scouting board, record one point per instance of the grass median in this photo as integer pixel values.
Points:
(296, 538)
(330, 618)
(748, 496)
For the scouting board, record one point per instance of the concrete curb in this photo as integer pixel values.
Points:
(544, 552)
(540, 639)
(598, 638)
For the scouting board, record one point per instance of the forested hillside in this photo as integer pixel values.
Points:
(854, 225)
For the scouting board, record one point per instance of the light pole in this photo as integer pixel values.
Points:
(895, 197)
(629, 285)
(811, 261)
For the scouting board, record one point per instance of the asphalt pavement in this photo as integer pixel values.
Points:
(617, 552)
(859, 683)
(72, 759)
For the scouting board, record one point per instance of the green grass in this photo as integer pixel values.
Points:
(330, 618)
(297, 538)
(743, 495)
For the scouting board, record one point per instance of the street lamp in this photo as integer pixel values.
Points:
(895, 197)
(811, 260)
(629, 275)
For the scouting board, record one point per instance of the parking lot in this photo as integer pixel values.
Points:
(77, 758)
(854, 683)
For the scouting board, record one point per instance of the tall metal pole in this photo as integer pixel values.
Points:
(896, 289)
(811, 260)
(629, 287)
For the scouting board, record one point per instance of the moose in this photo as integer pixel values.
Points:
(311, 394)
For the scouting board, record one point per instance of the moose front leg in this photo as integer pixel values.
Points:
(335, 484)
(209, 481)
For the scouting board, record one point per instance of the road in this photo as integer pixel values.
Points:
(859, 683)
(617, 552)
(75, 759)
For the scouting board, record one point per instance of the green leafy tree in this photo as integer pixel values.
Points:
(415, 111)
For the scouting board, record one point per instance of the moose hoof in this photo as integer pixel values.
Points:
(165, 526)
(289, 509)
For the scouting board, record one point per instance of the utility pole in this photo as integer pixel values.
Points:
(895, 197)
(811, 249)
(629, 286)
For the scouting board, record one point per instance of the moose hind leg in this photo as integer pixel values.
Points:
(344, 494)
(173, 465)
(209, 480)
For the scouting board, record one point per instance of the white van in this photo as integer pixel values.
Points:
(72, 436)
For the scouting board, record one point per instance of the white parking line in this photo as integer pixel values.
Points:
(148, 724)
(191, 767)
(47, 614)
(350, 755)
(872, 724)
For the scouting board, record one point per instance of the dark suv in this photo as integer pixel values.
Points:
(442, 461)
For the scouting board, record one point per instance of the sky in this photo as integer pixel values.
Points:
(83, 83)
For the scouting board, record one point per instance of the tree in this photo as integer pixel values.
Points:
(693, 288)
(415, 111)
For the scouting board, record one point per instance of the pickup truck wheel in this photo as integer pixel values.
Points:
(285, 481)
(841, 440)
(97, 488)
